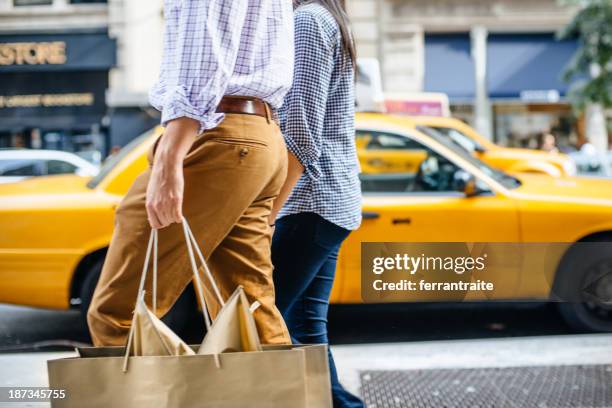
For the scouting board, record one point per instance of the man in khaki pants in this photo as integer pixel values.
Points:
(220, 163)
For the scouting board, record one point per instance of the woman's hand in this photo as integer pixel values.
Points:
(164, 200)
(294, 172)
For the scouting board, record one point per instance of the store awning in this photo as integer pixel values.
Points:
(527, 66)
(449, 67)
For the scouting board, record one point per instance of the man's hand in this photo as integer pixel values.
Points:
(166, 184)
(165, 195)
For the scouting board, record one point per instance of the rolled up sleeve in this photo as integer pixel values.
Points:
(202, 40)
(302, 115)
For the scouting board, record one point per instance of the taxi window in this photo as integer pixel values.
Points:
(20, 167)
(394, 163)
(387, 141)
(60, 167)
(459, 139)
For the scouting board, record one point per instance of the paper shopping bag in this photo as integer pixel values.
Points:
(249, 376)
(277, 377)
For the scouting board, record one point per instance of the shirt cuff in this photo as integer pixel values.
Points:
(311, 164)
(176, 105)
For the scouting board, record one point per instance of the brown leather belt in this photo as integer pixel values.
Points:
(244, 105)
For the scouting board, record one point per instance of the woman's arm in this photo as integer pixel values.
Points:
(294, 173)
(305, 106)
(304, 109)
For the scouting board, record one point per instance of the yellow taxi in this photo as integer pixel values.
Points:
(377, 159)
(54, 231)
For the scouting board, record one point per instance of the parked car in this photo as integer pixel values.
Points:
(19, 164)
(53, 256)
(502, 158)
(590, 163)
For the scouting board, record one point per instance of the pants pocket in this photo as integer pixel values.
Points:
(241, 142)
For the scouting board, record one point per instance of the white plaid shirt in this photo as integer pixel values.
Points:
(318, 122)
(214, 48)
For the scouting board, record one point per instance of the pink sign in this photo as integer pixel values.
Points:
(415, 108)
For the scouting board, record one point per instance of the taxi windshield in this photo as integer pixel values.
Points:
(502, 178)
(110, 162)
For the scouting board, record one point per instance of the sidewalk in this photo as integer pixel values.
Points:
(29, 369)
(581, 349)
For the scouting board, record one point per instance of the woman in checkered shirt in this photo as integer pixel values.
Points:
(320, 202)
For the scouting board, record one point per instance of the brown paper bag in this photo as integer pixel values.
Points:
(234, 328)
(278, 377)
(275, 377)
(151, 337)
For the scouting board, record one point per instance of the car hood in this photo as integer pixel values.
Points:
(529, 154)
(65, 184)
(586, 190)
(61, 193)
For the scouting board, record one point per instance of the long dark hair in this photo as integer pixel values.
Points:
(336, 9)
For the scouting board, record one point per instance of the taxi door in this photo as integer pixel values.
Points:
(423, 205)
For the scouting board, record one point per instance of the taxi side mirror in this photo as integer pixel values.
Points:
(466, 182)
(471, 189)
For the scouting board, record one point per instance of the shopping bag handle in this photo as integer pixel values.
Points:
(152, 250)
(192, 244)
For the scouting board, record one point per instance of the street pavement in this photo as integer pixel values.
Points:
(29, 369)
(390, 337)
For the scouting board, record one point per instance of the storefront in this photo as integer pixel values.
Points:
(524, 83)
(53, 89)
(524, 80)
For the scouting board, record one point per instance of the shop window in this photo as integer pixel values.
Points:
(18, 3)
(60, 167)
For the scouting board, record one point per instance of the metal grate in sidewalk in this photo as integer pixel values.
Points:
(515, 387)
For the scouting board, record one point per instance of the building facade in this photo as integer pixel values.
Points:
(74, 73)
(55, 59)
(498, 60)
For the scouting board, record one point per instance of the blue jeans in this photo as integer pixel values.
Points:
(304, 253)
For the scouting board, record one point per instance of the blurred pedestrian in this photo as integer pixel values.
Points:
(547, 142)
(221, 161)
(320, 202)
(114, 151)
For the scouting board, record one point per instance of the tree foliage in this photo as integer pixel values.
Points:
(590, 69)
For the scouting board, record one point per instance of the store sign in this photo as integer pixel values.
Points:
(540, 95)
(32, 53)
(52, 100)
(57, 52)
(46, 100)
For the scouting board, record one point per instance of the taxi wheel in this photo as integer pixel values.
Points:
(586, 310)
(181, 317)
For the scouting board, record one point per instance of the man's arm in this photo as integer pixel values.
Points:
(202, 39)
(166, 184)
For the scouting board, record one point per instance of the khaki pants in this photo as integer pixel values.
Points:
(232, 175)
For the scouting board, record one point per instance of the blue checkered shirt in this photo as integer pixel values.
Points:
(318, 122)
(214, 48)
